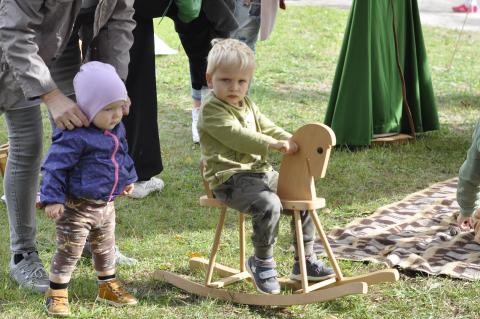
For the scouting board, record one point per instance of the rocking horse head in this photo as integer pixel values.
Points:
(297, 170)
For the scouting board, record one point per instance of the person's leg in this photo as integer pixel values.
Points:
(196, 38)
(197, 97)
(308, 230)
(102, 239)
(316, 270)
(72, 227)
(141, 123)
(25, 135)
(248, 18)
(250, 193)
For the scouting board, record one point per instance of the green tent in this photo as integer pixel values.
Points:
(382, 83)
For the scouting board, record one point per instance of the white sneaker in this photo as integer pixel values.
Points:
(142, 189)
(195, 114)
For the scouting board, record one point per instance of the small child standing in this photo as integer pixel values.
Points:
(234, 138)
(83, 172)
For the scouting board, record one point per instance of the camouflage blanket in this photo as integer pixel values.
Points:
(417, 233)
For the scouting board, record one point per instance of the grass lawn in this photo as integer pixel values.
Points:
(291, 86)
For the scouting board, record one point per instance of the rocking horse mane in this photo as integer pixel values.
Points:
(296, 181)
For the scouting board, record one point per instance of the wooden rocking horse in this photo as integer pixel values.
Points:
(296, 190)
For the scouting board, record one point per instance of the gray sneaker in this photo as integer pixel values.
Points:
(30, 273)
(264, 275)
(316, 270)
(120, 259)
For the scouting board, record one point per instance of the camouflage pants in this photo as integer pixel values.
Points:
(80, 220)
(255, 194)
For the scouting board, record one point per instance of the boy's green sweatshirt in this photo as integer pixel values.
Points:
(234, 139)
(469, 177)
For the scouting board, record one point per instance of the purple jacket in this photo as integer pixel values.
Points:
(86, 163)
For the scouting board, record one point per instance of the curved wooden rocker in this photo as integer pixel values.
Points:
(296, 190)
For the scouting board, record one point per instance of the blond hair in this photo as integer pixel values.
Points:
(228, 52)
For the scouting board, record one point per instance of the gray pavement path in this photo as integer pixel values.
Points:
(432, 12)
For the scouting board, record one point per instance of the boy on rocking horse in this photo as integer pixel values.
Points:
(235, 137)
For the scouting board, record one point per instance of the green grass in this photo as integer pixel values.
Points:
(291, 86)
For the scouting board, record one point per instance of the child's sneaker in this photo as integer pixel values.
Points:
(316, 270)
(264, 275)
(56, 302)
(114, 294)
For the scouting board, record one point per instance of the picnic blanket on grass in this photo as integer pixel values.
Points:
(417, 233)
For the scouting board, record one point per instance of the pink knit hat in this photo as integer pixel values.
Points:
(96, 85)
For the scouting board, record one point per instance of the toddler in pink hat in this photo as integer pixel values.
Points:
(98, 85)
(84, 171)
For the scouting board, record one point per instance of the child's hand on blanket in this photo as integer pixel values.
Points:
(465, 222)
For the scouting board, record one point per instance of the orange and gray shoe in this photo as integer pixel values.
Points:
(114, 294)
(56, 302)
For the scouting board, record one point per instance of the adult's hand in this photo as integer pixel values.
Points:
(126, 107)
(65, 112)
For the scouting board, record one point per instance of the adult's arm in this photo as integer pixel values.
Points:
(469, 177)
(18, 22)
(20, 52)
(115, 39)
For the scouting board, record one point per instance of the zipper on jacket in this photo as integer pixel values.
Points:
(114, 161)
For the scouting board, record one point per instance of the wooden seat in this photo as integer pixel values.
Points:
(297, 193)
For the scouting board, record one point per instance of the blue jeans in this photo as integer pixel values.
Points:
(248, 18)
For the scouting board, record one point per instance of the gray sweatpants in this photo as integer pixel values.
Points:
(255, 194)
